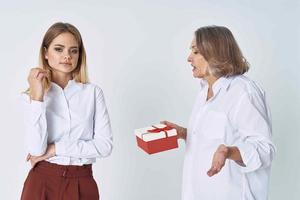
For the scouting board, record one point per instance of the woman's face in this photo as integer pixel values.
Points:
(63, 53)
(198, 62)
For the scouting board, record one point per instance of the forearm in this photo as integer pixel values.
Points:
(36, 129)
(256, 153)
(100, 147)
(36, 144)
(35, 125)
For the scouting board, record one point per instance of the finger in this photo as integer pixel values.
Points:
(41, 75)
(32, 163)
(38, 158)
(34, 72)
(214, 170)
(47, 74)
(39, 69)
(211, 172)
(163, 122)
(28, 157)
(33, 157)
(217, 165)
(168, 123)
(44, 157)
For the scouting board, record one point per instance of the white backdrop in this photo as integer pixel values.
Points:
(137, 53)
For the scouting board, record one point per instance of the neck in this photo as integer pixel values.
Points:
(61, 79)
(211, 80)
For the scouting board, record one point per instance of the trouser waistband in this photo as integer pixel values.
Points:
(67, 171)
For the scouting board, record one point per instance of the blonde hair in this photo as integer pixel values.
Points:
(80, 72)
(220, 49)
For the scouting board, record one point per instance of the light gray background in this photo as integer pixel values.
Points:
(137, 53)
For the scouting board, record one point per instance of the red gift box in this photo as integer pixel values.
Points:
(157, 138)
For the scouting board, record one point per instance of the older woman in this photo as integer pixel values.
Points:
(228, 141)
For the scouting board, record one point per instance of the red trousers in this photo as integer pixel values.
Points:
(47, 181)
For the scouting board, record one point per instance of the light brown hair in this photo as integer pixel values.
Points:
(219, 48)
(80, 72)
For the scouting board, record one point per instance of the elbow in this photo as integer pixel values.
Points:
(106, 149)
(265, 155)
(258, 155)
(269, 155)
(36, 148)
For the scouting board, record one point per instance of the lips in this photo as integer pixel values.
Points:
(66, 63)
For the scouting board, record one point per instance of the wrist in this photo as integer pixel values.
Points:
(234, 154)
(183, 133)
(36, 97)
(229, 152)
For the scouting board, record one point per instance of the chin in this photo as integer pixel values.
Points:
(195, 75)
(63, 70)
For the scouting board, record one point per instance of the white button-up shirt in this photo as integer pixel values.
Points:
(237, 115)
(74, 118)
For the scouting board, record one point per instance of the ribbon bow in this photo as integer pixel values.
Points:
(157, 130)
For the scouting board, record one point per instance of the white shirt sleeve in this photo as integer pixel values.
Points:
(100, 145)
(253, 124)
(35, 126)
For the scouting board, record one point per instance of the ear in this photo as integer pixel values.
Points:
(46, 53)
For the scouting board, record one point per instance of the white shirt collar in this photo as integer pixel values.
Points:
(71, 83)
(222, 82)
(71, 88)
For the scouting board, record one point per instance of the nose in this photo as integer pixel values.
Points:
(67, 56)
(189, 58)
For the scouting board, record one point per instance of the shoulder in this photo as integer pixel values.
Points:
(92, 88)
(243, 85)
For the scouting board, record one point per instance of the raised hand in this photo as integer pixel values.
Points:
(219, 160)
(35, 80)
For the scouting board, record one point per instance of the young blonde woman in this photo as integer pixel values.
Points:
(67, 123)
(228, 141)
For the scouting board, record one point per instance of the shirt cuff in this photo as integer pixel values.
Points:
(37, 108)
(249, 156)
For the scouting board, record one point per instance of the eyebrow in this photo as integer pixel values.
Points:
(193, 47)
(60, 45)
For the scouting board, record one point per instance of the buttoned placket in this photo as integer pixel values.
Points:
(68, 115)
(64, 94)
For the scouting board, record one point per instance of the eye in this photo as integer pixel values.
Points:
(58, 49)
(74, 51)
(195, 52)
